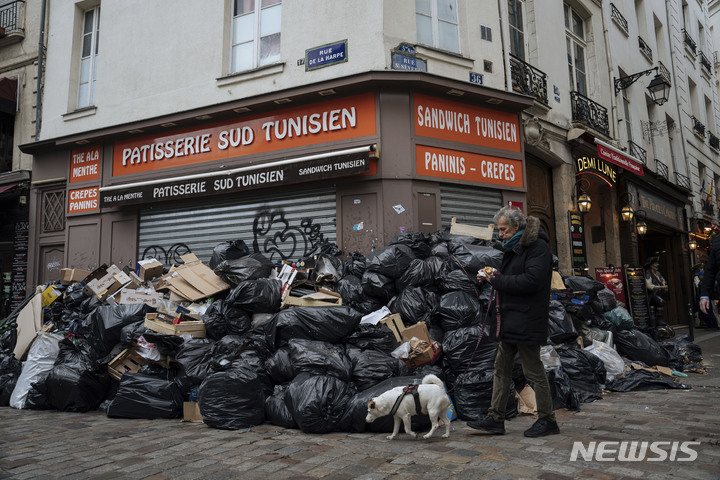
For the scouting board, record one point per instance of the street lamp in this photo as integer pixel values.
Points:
(583, 202)
(627, 212)
(659, 88)
(640, 226)
(692, 244)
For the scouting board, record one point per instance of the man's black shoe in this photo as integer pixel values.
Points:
(488, 424)
(542, 427)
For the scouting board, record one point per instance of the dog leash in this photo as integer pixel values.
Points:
(410, 389)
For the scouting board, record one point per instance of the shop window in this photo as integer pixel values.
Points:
(255, 33)
(88, 57)
(437, 24)
(575, 45)
(53, 211)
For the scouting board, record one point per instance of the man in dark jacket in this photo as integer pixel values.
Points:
(707, 286)
(523, 294)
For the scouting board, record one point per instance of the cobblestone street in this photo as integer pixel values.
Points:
(49, 444)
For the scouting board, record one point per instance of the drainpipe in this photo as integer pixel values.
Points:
(502, 10)
(41, 65)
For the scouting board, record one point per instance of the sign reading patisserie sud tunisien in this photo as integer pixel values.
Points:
(329, 121)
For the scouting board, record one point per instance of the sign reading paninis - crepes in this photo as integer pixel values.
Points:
(246, 179)
(338, 119)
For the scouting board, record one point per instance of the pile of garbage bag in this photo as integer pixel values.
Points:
(308, 365)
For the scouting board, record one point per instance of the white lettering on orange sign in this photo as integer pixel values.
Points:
(83, 200)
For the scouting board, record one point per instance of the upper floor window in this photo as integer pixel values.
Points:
(437, 24)
(88, 57)
(255, 33)
(575, 42)
(517, 35)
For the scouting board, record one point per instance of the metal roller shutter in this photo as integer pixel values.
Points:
(283, 225)
(471, 205)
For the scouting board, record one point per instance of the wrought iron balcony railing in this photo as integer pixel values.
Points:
(705, 62)
(664, 72)
(682, 181)
(591, 113)
(698, 127)
(689, 42)
(645, 48)
(528, 80)
(11, 18)
(713, 141)
(638, 152)
(662, 169)
(618, 17)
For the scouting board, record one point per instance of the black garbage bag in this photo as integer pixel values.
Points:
(356, 412)
(561, 391)
(418, 274)
(458, 310)
(391, 261)
(250, 267)
(584, 284)
(8, 339)
(215, 324)
(232, 399)
(472, 394)
(130, 333)
(635, 345)
(276, 411)
(230, 250)
(320, 358)
(377, 285)
(166, 344)
(474, 257)
(327, 324)
(10, 369)
(279, 366)
(640, 380)
(329, 268)
(370, 367)
(107, 322)
(416, 241)
(586, 372)
(350, 289)
(146, 396)
(76, 383)
(606, 299)
(682, 349)
(263, 295)
(368, 305)
(461, 350)
(256, 341)
(317, 402)
(252, 361)
(440, 250)
(53, 313)
(376, 337)
(224, 351)
(560, 326)
(74, 296)
(415, 305)
(194, 357)
(355, 265)
(458, 281)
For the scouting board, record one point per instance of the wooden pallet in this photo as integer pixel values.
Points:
(483, 233)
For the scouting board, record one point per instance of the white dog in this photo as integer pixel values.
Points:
(433, 401)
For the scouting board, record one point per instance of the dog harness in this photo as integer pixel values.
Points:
(410, 389)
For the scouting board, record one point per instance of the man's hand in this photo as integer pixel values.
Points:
(704, 305)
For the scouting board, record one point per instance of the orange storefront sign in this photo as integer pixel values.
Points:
(338, 119)
(458, 122)
(85, 164)
(472, 167)
(83, 200)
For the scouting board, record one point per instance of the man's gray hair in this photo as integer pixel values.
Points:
(513, 215)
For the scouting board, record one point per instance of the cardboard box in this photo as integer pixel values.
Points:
(98, 285)
(321, 298)
(395, 324)
(430, 354)
(148, 269)
(191, 412)
(129, 296)
(49, 295)
(71, 275)
(195, 329)
(193, 280)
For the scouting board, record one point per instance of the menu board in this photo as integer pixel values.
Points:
(19, 265)
(612, 278)
(577, 243)
(637, 295)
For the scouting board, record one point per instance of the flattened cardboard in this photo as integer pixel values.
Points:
(194, 280)
(71, 275)
(129, 297)
(29, 322)
(419, 330)
(321, 298)
(191, 412)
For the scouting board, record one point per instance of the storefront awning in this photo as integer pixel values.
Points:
(611, 154)
(339, 163)
(5, 188)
